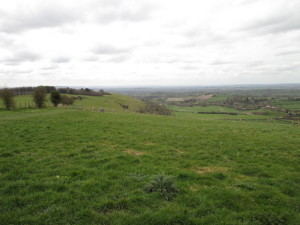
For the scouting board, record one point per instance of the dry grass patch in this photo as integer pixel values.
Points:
(179, 152)
(134, 152)
(149, 143)
(203, 170)
(195, 188)
(177, 99)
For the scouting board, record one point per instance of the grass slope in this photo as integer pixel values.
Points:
(80, 167)
(111, 102)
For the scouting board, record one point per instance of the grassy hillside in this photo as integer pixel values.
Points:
(112, 102)
(69, 166)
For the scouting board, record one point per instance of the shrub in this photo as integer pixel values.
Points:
(39, 96)
(7, 96)
(55, 98)
(66, 100)
(164, 185)
(155, 108)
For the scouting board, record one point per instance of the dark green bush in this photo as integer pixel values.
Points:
(55, 98)
(7, 96)
(66, 100)
(39, 96)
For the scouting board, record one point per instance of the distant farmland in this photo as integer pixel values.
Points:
(198, 98)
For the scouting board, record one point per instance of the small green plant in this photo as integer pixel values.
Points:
(164, 185)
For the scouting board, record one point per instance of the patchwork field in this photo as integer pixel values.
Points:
(198, 98)
(292, 105)
(66, 166)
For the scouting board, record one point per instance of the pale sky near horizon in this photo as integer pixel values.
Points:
(149, 42)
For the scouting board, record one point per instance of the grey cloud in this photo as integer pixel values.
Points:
(254, 64)
(170, 61)
(119, 58)
(245, 2)
(288, 68)
(26, 19)
(22, 56)
(61, 60)
(122, 16)
(13, 72)
(109, 50)
(49, 68)
(278, 23)
(188, 44)
(292, 52)
(91, 59)
(220, 62)
(6, 41)
(54, 15)
(121, 12)
(197, 37)
(189, 67)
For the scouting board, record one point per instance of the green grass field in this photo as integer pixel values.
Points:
(196, 109)
(67, 166)
(291, 105)
(191, 112)
(111, 102)
(22, 101)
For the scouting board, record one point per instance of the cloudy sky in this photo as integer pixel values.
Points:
(149, 42)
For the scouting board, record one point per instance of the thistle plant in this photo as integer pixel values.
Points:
(164, 185)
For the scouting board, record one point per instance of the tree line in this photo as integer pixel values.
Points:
(67, 90)
(39, 95)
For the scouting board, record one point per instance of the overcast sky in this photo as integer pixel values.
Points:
(149, 42)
